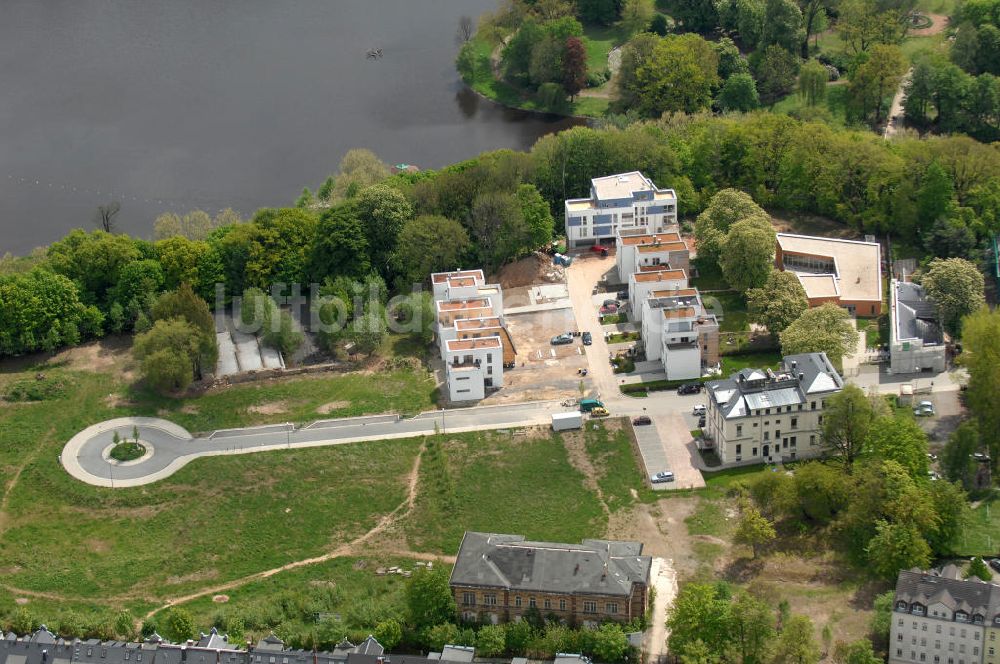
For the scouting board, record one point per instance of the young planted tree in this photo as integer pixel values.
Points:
(753, 529)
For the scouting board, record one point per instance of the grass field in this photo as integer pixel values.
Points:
(733, 306)
(599, 40)
(981, 534)
(835, 103)
(764, 360)
(66, 546)
(525, 484)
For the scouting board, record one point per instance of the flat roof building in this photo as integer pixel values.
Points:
(845, 272)
(619, 203)
(916, 341)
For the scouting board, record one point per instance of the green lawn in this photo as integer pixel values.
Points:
(733, 363)
(981, 534)
(733, 308)
(618, 470)
(709, 276)
(502, 483)
(835, 103)
(599, 40)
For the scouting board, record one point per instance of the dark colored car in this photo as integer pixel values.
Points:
(622, 295)
(562, 339)
(586, 338)
(689, 388)
(641, 420)
(995, 564)
(701, 421)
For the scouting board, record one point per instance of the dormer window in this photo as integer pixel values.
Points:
(977, 619)
(961, 616)
(918, 609)
(902, 606)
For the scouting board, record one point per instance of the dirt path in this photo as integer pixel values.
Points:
(664, 579)
(896, 109)
(347, 549)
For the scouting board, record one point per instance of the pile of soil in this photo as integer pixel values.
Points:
(535, 269)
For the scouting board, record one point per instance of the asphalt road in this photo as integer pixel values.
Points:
(85, 456)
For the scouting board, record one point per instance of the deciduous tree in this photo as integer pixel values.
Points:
(679, 76)
(778, 303)
(574, 66)
(796, 644)
(753, 529)
(812, 82)
(738, 93)
(726, 208)
(847, 421)
(748, 253)
(956, 287)
(826, 328)
(899, 439)
(428, 598)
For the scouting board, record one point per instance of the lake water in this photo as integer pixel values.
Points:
(182, 104)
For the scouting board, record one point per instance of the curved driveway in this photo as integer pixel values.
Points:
(83, 458)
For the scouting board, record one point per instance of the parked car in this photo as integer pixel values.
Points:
(586, 338)
(689, 388)
(994, 563)
(587, 405)
(603, 251)
(931, 457)
(663, 476)
(701, 421)
(642, 420)
(622, 295)
(562, 339)
(608, 309)
(610, 303)
(934, 477)
(980, 457)
(698, 410)
(600, 411)
(924, 409)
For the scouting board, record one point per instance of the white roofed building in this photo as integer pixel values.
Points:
(623, 202)
(765, 416)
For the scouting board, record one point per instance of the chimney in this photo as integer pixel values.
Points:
(794, 364)
(802, 376)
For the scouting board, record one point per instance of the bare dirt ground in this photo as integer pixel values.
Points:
(537, 268)
(810, 224)
(543, 371)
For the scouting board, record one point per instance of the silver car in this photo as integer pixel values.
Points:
(663, 476)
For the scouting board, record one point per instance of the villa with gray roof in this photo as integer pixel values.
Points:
(938, 617)
(497, 578)
(765, 416)
(916, 342)
(623, 203)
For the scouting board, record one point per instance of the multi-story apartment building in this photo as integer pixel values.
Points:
(916, 342)
(624, 202)
(473, 339)
(680, 332)
(637, 250)
(649, 279)
(765, 416)
(497, 578)
(940, 618)
(845, 272)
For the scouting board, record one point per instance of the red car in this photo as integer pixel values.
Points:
(609, 309)
(603, 251)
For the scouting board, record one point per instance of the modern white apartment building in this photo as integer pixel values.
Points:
(473, 339)
(765, 416)
(473, 366)
(940, 618)
(638, 250)
(628, 201)
(678, 331)
(916, 342)
(649, 279)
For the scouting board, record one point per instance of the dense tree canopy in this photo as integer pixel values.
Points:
(778, 303)
(824, 329)
(956, 287)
